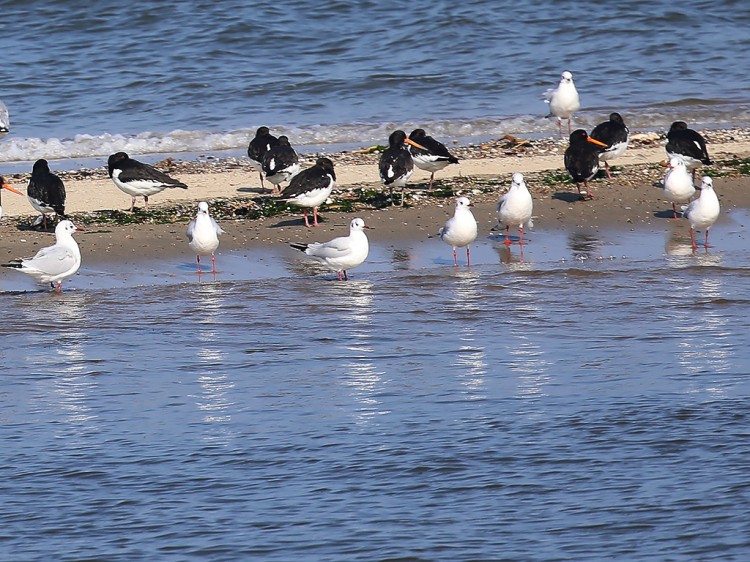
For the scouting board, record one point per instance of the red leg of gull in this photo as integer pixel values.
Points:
(198, 259)
(304, 212)
(507, 236)
(213, 264)
(706, 238)
(692, 239)
(674, 211)
(520, 235)
(468, 256)
(341, 277)
(455, 259)
(59, 287)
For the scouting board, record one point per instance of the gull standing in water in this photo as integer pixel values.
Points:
(678, 185)
(343, 253)
(614, 134)
(54, 263)
(515, 207)
(563, 101)
(203, 236)
(46, 192)
(138, 179)
(433, 158)
(460, 230)
(703, 212)
(4, 185)
(311, 187)
(257, 149)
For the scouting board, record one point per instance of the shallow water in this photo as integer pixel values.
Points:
(588, 399)
(196, 76)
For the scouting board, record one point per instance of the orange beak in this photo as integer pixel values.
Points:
(9, 188)
(411, 142)
(594, 141)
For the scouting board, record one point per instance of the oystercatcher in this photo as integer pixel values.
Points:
(311, 187)
(614, 134)
(434, 157)
(689, 145)
(281, 162)
(46, 191)
(138, 179)
(582, 160)
(256, 150)
(396, 164)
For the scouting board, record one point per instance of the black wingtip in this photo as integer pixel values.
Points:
(15, 265)
(300, 247)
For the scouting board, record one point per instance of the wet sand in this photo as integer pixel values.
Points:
(629, 201)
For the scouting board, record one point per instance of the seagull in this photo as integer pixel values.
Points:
(138, 179)
(4, 185)
(256, 150)
(582, 160)
(396, 164)
(614, 134)
(53, 263)
(280, 163)
(563, 101)
(515, 207)
(203, 235)
(46, 191)
(688, 144)
(311, 188)
(703, 212)
(678, 185)
(343, 253)
(434, 157)
(461, 229)
(4, 120)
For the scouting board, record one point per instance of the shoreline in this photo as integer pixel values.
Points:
(630, 200)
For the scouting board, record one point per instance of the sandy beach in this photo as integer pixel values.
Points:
(630, 200)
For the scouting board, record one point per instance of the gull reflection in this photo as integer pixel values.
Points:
(680, 252)
(511, 261)
(583, 245)
(214, 400)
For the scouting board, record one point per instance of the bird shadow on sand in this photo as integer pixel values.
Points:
(567, 196)
(298, 222)
(257, 190)
(667, 214)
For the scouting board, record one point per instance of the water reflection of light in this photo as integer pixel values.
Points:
(471, 359)
(583, 245)
(214, 399)
(510, 260)
(680, 252)
(360, 374)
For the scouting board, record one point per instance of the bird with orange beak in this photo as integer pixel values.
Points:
(4, 185)
(396, 164)
(582, 160)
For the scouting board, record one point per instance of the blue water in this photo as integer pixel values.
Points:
(83, 79)
(586, 399)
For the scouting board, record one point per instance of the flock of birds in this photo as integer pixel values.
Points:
(277, 162)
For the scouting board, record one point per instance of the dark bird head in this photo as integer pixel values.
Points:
(418, 135)
(398, 138)
(284, 140)
(616, 118)
(115, 159)
(579, 136)
(262, 131)
(678, 126)
(325, 163)
(40, 166)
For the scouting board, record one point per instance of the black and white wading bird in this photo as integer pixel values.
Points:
(53, 263)
(256, 150)
(311, 188)
(614, 134)
(46, 192)
(281, 162)
(203, 236)
(396, 163)
(689, 145)
(563, 101)
(138, 179)
(582, 160)
(433, 158)
(4, 120)
(343, 253)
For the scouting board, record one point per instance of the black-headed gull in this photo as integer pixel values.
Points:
(515, 207)
(582, 160)
(311, 187)
(433, 157)
(563, 101)
(7, 186)
(343, 253)
(4, 120)
(281, 162)
(461, 229)
(46, 191)
(688, 144)
(256, 150)
(203, 235)
(396, 163)
(614, 134)
(703, 212)
(678, 184)
(54, 263)
(138, 179)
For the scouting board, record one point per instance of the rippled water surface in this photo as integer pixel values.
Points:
(585, 400)
(84, 80)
